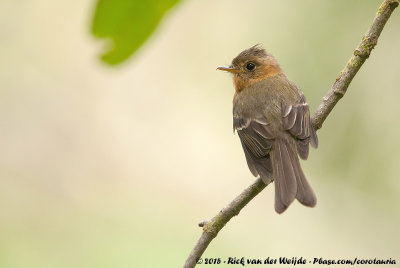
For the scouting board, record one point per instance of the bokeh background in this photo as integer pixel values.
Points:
(114, 166)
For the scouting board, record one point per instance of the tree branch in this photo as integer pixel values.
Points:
(361, 53)
(339, 88)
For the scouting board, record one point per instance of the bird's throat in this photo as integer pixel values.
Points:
(243, 82)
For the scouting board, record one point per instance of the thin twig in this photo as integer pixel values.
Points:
(339, 88)
(361, 53)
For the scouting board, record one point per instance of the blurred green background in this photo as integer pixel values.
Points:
(114, 166)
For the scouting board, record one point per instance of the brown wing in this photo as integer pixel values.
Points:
(257, 139)
(296, 120)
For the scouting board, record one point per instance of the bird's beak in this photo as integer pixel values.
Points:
(228, 69)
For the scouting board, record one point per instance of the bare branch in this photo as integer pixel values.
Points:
(361, 53)
(213, 226)
(339, 88)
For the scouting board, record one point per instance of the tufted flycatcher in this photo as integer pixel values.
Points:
(272, 119)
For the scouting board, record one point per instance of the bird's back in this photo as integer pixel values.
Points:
(265, 99)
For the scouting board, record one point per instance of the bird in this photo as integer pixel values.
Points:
(272, 119)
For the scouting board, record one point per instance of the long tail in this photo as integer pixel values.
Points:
(290, 181)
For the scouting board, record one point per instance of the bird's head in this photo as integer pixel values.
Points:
(250, 66)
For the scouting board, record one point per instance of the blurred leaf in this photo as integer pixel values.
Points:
(128, 23)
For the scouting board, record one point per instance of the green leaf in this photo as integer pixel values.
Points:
(128, 24)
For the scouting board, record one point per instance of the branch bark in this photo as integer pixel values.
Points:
(339, 88)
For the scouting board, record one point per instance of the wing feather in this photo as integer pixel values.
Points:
(257, 140)
(296, 120)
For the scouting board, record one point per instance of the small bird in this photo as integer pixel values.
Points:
(272, 119)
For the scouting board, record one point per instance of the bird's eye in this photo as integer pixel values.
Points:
(250, 66)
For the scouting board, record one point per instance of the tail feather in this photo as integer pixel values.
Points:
(290, 181)
(305, 193)
(284, 175)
